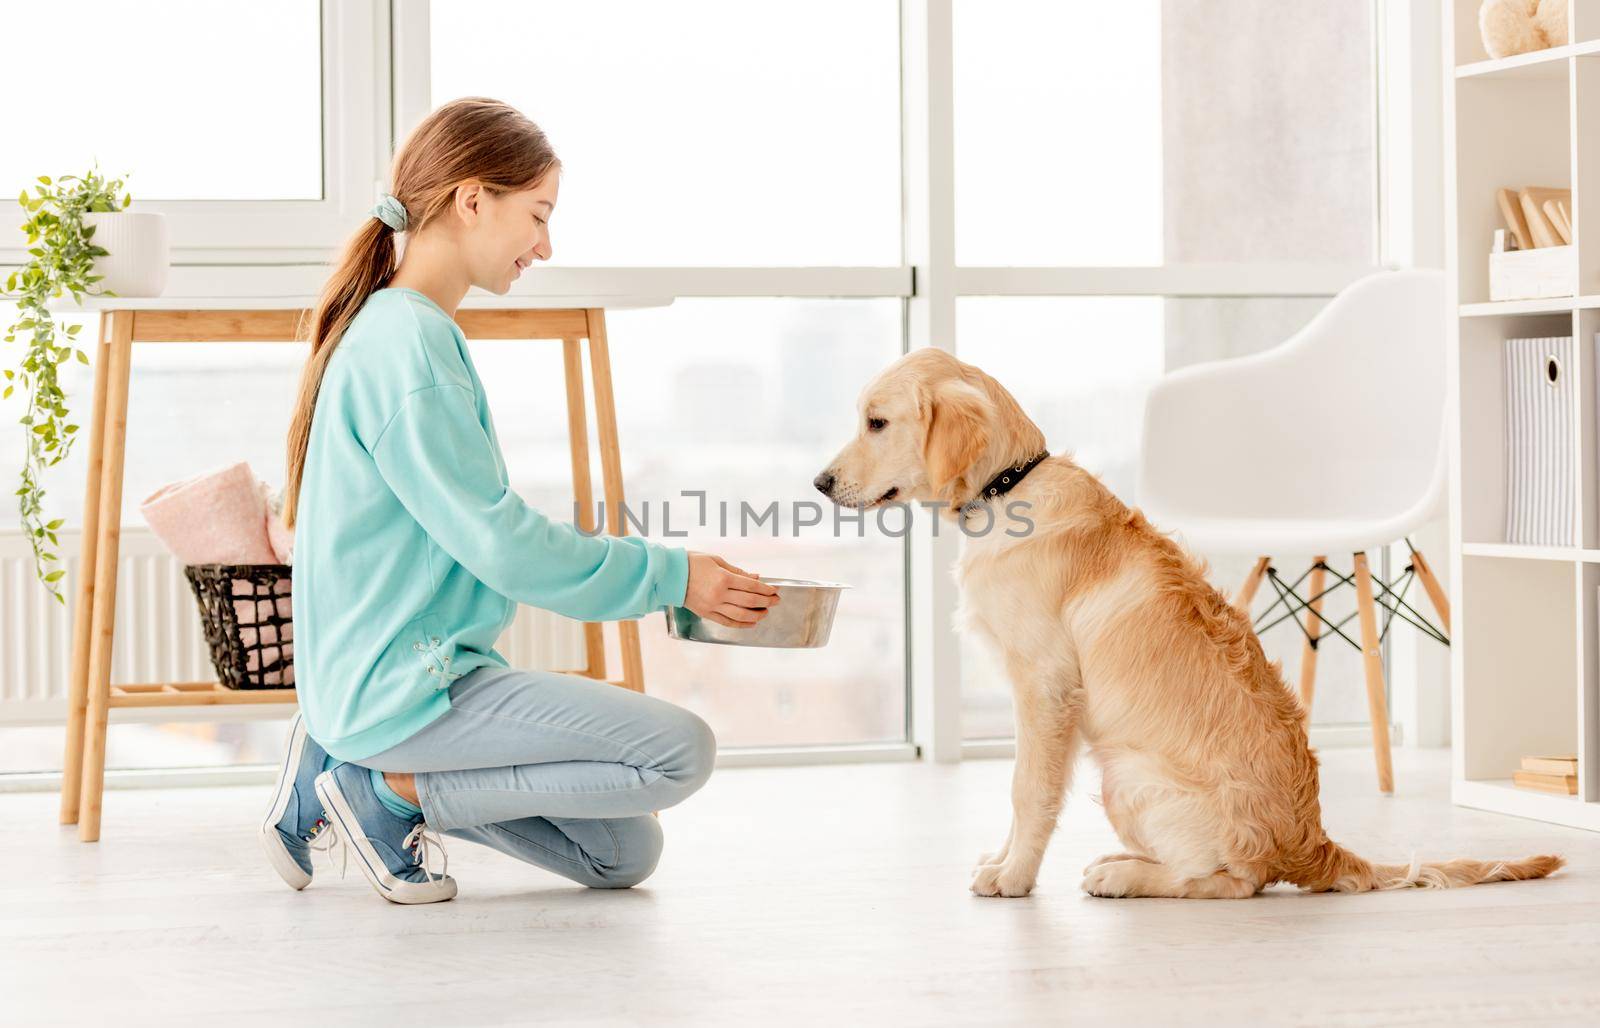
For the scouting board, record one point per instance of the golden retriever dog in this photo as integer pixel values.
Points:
(1112, 639)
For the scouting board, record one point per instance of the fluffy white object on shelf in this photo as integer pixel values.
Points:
(1513, 27)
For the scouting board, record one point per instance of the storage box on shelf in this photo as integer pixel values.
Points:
(1541, 441)
(1524, 650)
(1481, 388)
(1548, 271)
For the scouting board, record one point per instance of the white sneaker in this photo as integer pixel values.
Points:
(294, 825)
(393, 852)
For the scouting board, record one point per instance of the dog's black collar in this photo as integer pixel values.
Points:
(1007, 480)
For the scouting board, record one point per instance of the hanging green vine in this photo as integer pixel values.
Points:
(61, 260)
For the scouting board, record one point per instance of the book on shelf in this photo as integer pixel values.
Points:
(1565, 764)
(1564, 785)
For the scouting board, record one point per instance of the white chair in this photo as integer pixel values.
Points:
(1332, 442)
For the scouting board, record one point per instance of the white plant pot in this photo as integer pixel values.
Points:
(138, 255)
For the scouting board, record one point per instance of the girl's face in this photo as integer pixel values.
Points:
(501, 234)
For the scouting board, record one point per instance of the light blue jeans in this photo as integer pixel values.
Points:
(557, 770)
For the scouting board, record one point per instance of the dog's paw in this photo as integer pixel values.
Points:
(1113, 878)
(1002, 879)
(985, 859)
(1108, 858)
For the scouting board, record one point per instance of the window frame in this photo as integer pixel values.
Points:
(1404, 71)
(355, 139)
(376, 83)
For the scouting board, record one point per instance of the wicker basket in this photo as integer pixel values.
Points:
(248, 618)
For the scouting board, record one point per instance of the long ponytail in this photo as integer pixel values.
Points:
(473, 137)
(366, 266)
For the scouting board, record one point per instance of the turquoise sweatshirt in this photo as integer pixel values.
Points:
(411, 550)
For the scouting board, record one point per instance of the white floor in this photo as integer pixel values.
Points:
(831, 895)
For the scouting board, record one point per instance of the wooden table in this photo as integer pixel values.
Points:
(281, 319)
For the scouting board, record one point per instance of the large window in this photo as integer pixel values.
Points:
(721, 133)
(1151, 133)
(1079, 366)
(705, 132)
(743, 400)
(1136, 187)
(252, 132)
(730, 147)
(259, 129)
(1058, 133)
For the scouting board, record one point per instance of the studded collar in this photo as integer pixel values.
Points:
(1006, 480)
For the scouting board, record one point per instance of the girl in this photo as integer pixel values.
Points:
(411, 554)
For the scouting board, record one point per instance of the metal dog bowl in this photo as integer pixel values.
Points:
(801, 620)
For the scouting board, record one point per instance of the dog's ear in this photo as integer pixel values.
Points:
(958, 431)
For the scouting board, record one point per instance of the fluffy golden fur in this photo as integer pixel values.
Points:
(1113, 638)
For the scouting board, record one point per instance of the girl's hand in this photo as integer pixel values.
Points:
(730, 596)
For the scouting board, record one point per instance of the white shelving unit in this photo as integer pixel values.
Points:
(1526, 630)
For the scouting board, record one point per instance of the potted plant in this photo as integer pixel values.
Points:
(64, 216)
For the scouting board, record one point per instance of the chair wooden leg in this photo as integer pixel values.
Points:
(1436, 593)
(605, 416)
(594, 640)
(1247, 592)
(1308, 656)
(1377, 704)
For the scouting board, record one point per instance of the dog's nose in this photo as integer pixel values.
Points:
(824, 483)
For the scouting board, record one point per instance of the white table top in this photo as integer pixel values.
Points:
(473, 301)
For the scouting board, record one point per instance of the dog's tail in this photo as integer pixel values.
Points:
(1339, 870)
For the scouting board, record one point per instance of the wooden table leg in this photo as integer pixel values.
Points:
(594, 639)
(105, 584)
(1371, 650)
(83, 605)
(605, 414)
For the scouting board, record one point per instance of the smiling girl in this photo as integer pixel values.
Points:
(412, 553)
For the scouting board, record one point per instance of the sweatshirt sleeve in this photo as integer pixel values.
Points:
(440, 463)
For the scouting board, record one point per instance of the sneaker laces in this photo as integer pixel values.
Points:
(422, 843)
(325, 832)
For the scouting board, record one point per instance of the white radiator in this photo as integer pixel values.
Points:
(158, 635)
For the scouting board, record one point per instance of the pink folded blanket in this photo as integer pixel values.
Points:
(219, 517)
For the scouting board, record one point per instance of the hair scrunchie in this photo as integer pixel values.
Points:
(391, 212)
